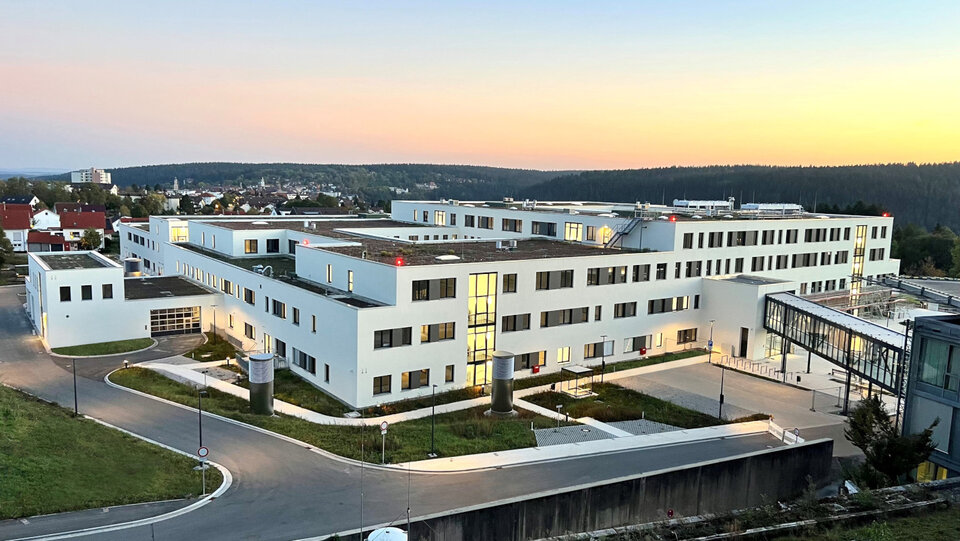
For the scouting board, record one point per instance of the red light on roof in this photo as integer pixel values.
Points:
(886, 214)
(399, 262)
(673, 218)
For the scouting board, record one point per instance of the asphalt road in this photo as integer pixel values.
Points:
(281, 490)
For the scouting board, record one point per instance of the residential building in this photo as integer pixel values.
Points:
(92, 175)
(933, 392)
(74, 224)
(31, 200)
(46, 219)
(16, 221)
(379, 310)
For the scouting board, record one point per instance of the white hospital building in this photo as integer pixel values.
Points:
(375, 310)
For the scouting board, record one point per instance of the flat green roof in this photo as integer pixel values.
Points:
(69, 261)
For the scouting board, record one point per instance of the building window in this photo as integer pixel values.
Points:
(439, 217)
(529, 360)
(591, 232)
(685, 336)
(230, 320)
(563, 355)
(625, 309)
(106, 291)
(573, 231)
(389, 338)
(381, 384)
(279, 309)
(250, 246)
(249, 296)
(687, 241)
(554, 279)
(425, 290)
(313, 323)
(641, 273)
(329, 273)
(64, 293)
(448, 373)
(509, 283)
(597, 349)
(569, 316)
(546, 229)
(86, 293)
(512, 225)
(940, 364)
(453, 219)
(415, 379)
(350, 280)
(637, 343)
(248, 331)
(326, 373)
(469, 220)
(296, 316)
(486, 222)
(517, 322)
(436, 332)
(273, 246)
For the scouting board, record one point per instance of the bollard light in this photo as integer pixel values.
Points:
(126, 364)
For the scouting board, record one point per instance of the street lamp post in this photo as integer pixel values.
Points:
(723, 370)
(603, 356)
(433, 424)
(710, 345)
(200, 394)
(76, 408)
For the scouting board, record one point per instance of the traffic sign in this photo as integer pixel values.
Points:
(709, 343)
(383, 428)
(203, 452)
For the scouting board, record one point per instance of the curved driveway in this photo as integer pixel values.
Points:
(280, 489)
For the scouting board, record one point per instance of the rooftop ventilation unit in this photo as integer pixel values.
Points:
(447, 257)
(259, 222)
(508, 200)
(506, 245)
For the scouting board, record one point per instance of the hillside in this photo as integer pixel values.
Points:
(371, 181)
(926, 195)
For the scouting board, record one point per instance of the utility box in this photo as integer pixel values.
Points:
(501, 390)
(260, 372)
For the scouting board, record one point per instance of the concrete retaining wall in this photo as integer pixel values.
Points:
(707, 487)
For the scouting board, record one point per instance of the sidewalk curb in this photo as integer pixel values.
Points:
(224, 486)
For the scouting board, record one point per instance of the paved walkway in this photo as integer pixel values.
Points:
(188, 371)
(789, 406)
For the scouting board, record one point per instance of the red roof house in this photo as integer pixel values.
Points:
(82, 220)
(14, 217)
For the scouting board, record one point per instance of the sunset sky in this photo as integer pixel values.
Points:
(549, 85)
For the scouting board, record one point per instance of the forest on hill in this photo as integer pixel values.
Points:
(371, 182)
(926, 195)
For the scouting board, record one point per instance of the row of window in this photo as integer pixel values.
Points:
(772, 236)
(403, 336)
(572, 231)
(413, 379)
(86, 292)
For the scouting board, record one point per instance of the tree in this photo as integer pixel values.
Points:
(124, 210)
(6, 248)
(186, 205)
(91, 239)
(890, 456)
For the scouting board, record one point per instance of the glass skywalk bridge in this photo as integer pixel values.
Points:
(870, 351)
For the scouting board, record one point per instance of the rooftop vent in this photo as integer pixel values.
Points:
(447, 257)
(506, 245)
(508, 200)
(259, 222)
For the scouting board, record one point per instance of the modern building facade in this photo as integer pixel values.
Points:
(83, 297)
(933, 392)
(379, 310)
(92, 175)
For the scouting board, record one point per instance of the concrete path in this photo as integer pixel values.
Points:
(516, 457)
(186, 370)
(789, 406)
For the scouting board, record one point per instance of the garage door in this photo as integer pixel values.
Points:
(175, 321)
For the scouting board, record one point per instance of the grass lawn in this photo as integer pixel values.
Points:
(546, 379)
(52, 462)
(938, 525)
(615, 403)
(106, 348)
(216, 347)
(291, 388)
(458, 433)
